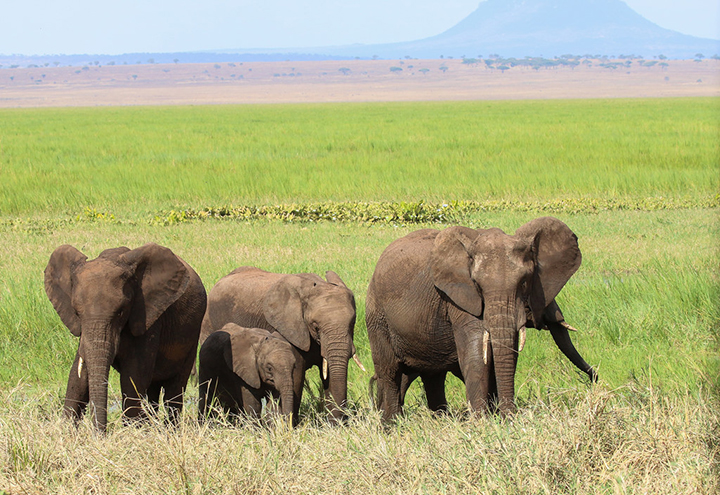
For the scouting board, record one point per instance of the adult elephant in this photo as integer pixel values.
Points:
(138, 310)
(459, 300)
(314, 315)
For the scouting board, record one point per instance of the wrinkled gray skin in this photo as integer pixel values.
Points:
(436, 294)
(138, 311)
(315, 316)
(239, 366)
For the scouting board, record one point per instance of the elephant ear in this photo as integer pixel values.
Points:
(334, 279)
(245, 343)
(284, 307)
(557, 256)
(161, 279)
(450, 263)
(58, 284)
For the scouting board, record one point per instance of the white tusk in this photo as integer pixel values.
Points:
(357, 361)
(80, 363)
(564, 324)
(521, 340)
(324, 369)
(486, 338)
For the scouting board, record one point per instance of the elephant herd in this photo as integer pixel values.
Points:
(457, 300)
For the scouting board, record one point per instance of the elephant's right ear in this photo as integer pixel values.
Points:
(451, 263)
(283, 309)
(58, 284)
(334, 278)
(244, 343)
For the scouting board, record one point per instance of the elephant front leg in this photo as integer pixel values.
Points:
(389, 397)
(134, 389)
(77, 394)
(251, 403)
(174, 392)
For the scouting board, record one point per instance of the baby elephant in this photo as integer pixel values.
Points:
(239, 366)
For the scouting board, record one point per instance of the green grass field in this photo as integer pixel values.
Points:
(636, 180)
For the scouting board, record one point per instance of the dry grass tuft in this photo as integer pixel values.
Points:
(624, 440)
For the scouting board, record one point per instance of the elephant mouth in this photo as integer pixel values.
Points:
(522, 334)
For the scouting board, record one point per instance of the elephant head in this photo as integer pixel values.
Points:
(260, 358)
(304, 308)
(509, 282)
(121, 289)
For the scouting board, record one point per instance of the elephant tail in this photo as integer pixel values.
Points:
(372, 391)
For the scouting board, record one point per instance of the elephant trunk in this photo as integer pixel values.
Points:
(285, 388)
(337, 378)
(99, 355)
(503, 325)
(562, 340)
(287, 402)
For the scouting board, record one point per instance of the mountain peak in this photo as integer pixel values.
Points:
(518, 28)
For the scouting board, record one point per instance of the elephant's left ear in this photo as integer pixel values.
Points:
(58, 284)
(162, 279)
(557, 257)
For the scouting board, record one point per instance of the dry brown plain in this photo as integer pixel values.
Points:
(344, 81)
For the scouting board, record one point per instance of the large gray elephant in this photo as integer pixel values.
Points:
(138, 311)
(314, 315)
(240, 366)
(459, 300)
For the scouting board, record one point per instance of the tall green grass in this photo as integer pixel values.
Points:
(636, 180)
(129, 160)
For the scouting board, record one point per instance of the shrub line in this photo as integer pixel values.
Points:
(383, 212)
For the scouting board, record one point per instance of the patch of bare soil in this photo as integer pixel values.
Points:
(345, 81)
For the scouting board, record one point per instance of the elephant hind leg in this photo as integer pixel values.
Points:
(435, 391)
(407, 380)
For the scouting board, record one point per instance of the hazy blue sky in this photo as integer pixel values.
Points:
(123, 26)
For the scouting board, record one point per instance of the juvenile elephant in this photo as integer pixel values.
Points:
(315, 316)
(239, 366)
(459, 300)
(138, 310)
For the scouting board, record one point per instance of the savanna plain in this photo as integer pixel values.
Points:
(316, 187)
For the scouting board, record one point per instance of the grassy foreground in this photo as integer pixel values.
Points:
(645, 298)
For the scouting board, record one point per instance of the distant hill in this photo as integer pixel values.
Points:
(518, 28)
(509, 28)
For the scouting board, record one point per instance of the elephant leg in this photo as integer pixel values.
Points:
(407, 380)
(435, 391)
(173, 398)
(389, 394)
(77, 394)
(134, 388)
(251, 403)
(153, 397)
